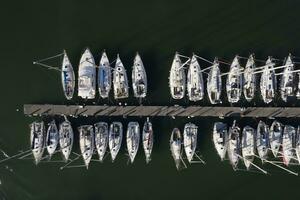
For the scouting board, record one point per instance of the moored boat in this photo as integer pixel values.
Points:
(220, 139)
(287, 80)
(87, 76)
(297, 144)
(86, 143)
(139, 78)
(234, 145)
(249, 84)
(120, 80)
(101, 139)
(37, 133)
(195, 84)
(234, 81)
(288, 151)
(275, 137)
(67, 77)
(52, 138)
(214, 84)
(262, 140)
(66, 138)
(148, 139)
(104, 76)
(133, 139)
(190, 140)
(248, 145)
(175, 146)
(177, 78)
(268, 82)
(115, 139)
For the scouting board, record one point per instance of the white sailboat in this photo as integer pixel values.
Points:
(133, 139)
(234, 81)
(195, 84)
(234, 145)
(87, 75)
(101, 139)
(37, 132)
(249, 84)
(104, 76)
(177, 78)
(287, 80)
(86, 143)
(148, 139)
(248, 146)
(268, 82)
(190, 140)
(175, 146)
(67, 77)
(220, 139)
(275, 137)
(139, 78)
(115, 139)
(288, 151)
(262, 140)
(52, 138)
(120, 80)
(214, 84)
(66, 138)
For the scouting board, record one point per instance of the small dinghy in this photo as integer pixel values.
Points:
(67, 77)
(175, 146)
(234, 145)
(104, 76)
(133, 139)
(195, 84)
(52, 138)
(66, 138)
(275, 137)
(268, 82)
(37, 132)
(262, 140)
(297, 144)
(214, 84)
(248, 146)
(120, 80)
(139, 78)
(177, 78)
(287, 80)
(148, 139)
(101, 138)
(249, 85)
(86, 143)
(288, 136)
(115, 139)
(190, 140)
(220, 139)
(87, 75)
(234, 81)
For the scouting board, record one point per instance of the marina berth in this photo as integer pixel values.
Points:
(177, 78)
(248, 146)
(66, 138)
(275, 137)
(37, 141)
(120, 80)
(67, 77)
(268, 82)
(249, 82)
(234, 81)
(195, 83)
(139, 78)
(190, 140)
(52, 138)
(288, 151)
(234, 150)
(133, 139)
(87, 76)
(176, 147)
(86, 143)
(214, 83)
(104, 76)
(262, 140)
(101, 139)
(220, 139)
(148, 139)
(287, 83)
(115, 139)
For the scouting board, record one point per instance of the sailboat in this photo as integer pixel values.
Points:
(177, 78)
(268, 82)
(275, 137)
(120, 80)
(297, 144)
(86, 143)
(175, 146)
(298, 89)
(288, 136)
(133, 139)
(190, 140)
(139, 78)
(87, 75)
(249, 85)
(248, 145)
(52, 138)
(287, 80)
(148, 139)
(195, 84)
(214, 84)
(67, 77)
(66, 138)
(115, 139)
(101, 139)
(220, 139)
(104, 76)
(234, 145)
(234, 81)
(262, 140)
(37, 132)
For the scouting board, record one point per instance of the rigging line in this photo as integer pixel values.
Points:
(44, 59)
(47, 66)
(201, 58)
(14, 156)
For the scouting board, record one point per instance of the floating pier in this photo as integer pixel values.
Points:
(158, 111)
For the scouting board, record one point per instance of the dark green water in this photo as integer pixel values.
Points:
(36, 29)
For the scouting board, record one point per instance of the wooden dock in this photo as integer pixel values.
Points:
(159, 111)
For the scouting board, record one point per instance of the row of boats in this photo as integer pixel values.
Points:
(92, 138)
(239, 80)
(92, 77)
(249, 143)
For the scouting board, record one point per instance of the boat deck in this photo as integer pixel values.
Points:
(159, 111)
